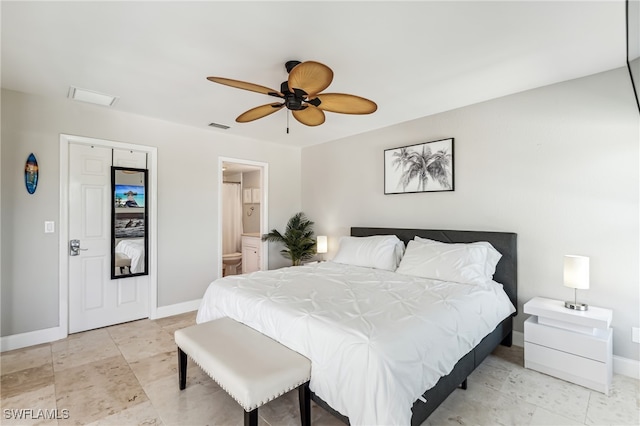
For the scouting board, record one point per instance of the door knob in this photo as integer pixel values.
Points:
(74, 248)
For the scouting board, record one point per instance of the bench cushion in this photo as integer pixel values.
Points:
(251, 367)
(122, 260)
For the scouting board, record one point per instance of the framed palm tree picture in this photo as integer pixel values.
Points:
(423, 167)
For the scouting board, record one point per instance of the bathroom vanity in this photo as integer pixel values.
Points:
(251, 247)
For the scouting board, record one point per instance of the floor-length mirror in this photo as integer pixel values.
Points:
(129, 224)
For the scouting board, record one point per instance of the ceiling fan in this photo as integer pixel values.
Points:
(301, 94)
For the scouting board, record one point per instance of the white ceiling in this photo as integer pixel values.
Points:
(412, 58)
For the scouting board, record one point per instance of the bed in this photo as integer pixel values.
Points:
(133, 248)
(371, 333)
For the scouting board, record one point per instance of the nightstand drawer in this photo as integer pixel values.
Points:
(593, 346)
(583, 371)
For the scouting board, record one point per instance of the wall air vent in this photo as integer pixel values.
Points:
(219, 126)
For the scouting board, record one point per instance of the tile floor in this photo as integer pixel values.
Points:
(127, 375)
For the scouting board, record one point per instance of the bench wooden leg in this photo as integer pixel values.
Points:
(304, 397)
(182, 369)
(251, 418)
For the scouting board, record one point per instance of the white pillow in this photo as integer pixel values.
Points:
(493, 255)
(377, 251)
(462, 263)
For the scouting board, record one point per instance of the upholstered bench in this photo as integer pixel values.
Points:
(251, 367)
(122, 261)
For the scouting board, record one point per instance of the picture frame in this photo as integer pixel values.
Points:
(422, 167)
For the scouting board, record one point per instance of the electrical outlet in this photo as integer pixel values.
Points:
(635, 334)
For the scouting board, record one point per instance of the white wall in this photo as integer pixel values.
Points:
(187, 199)
(251, 218)
(557, 165)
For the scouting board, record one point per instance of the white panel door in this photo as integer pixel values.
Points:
(133, 292)
(94, 299)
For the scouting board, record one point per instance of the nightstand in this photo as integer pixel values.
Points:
(575, 346)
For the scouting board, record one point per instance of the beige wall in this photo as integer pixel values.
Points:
(557, 165)
(187, 200)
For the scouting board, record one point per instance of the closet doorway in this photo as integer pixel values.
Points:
(242, 213)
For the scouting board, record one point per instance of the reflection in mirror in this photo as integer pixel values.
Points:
(129, 241)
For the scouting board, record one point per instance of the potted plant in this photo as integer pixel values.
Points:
(298, 239)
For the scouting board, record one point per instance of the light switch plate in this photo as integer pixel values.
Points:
(49, 227)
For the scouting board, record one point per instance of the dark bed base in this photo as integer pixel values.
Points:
(506, 274)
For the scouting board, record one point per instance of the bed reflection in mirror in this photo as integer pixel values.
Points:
(129, 222)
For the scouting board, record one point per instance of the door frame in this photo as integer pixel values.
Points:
(63, 278)
(264, 207)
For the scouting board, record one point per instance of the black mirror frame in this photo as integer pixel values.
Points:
(633, 47)
(145, 172)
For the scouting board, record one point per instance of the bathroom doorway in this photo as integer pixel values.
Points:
(242, 216)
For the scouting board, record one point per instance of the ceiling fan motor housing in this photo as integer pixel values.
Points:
(293, 100)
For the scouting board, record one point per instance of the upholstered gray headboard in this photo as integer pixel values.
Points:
(505, 242)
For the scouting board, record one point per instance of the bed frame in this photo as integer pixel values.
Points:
(506, 274)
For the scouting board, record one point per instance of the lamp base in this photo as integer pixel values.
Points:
(576, 306)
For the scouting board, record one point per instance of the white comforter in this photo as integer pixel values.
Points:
(376, 339)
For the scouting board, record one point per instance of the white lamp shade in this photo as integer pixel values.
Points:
(321, 244)
(576, 272)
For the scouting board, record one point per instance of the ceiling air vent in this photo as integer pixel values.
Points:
(90, 96)
(219, 126)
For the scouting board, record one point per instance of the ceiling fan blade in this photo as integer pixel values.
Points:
(310, 116)
(312, 77)
(246, 86)
(344, 104)
(258, 112)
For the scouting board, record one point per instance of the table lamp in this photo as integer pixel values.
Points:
(576, 276)
(321, 245)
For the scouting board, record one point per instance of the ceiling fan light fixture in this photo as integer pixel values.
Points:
(302, 94)
(84, 95)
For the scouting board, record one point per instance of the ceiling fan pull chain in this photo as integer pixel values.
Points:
(287, 121)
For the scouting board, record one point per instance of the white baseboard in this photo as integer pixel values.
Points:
(626, 367)
(623, 366)
(177, 309)
(31, 338)
(518, 338)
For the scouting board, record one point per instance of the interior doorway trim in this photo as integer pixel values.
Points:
(63, 279)
(264, 207)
